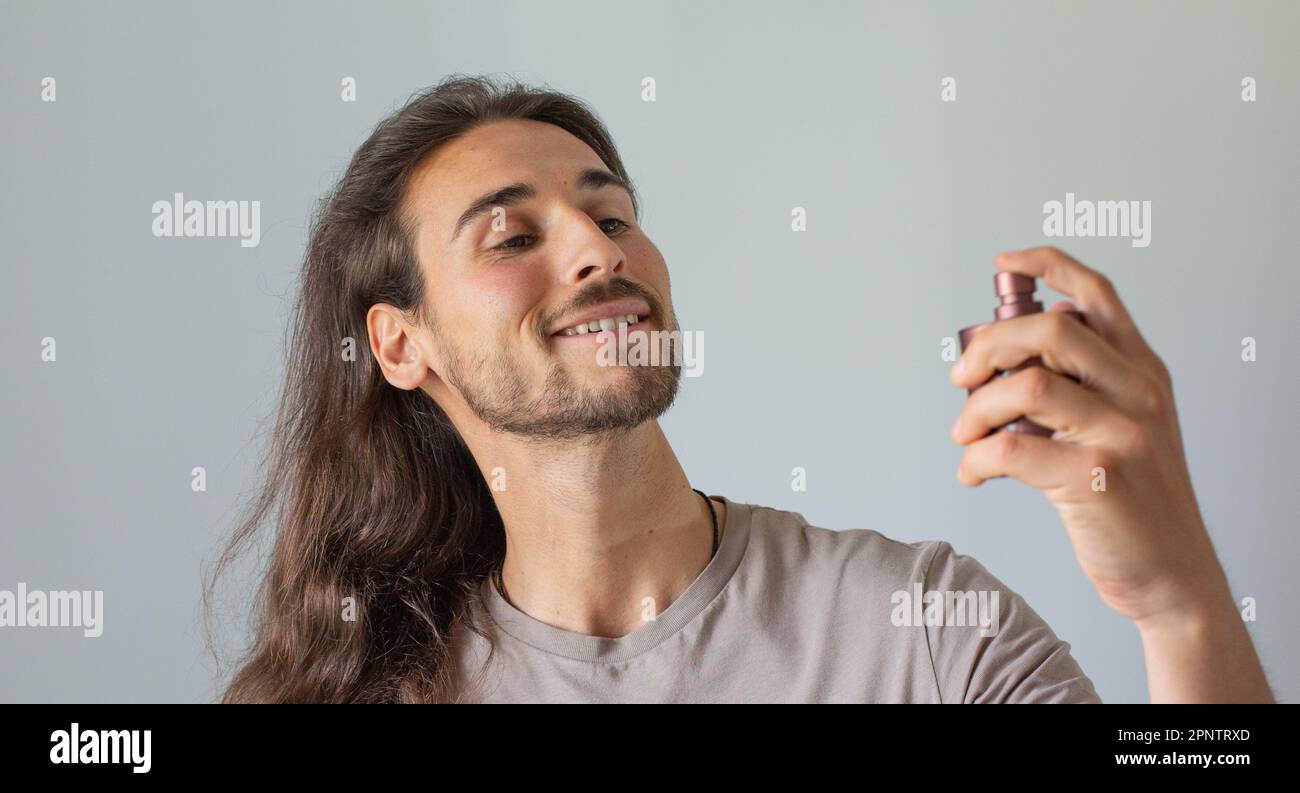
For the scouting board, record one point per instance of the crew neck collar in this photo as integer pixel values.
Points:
(702, 591)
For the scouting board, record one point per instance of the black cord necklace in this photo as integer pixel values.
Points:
(713, 516)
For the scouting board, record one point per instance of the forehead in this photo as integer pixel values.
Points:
(489, 157)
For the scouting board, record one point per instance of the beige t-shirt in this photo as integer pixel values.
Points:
(788, 612)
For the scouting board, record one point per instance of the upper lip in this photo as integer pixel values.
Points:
(617, 308)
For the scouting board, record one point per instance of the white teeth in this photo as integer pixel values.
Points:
(597, 325)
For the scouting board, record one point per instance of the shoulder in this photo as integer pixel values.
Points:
(984, 642)
(786, 539)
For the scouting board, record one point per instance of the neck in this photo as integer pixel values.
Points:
(594, 527)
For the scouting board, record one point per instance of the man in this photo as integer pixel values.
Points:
(506, 520)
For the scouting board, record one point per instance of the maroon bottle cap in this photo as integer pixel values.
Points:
(1016, 292)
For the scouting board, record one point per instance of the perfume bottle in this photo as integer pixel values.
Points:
(1016, 295)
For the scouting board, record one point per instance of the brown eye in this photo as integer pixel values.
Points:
(510, 244)
(608, 225)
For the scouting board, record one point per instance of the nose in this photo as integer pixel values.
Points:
(587, 251)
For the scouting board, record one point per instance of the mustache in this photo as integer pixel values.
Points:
(603, 292)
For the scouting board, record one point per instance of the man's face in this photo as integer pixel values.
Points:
(505, 284)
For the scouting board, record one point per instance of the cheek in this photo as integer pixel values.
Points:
(648, 265)
(499, 300)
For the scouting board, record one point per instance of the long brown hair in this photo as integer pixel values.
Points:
(375, 495)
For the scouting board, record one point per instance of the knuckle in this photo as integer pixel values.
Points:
(1036, 383)
(1103, 285)
(1058, 328)
(1099, 457)
(1162, 370)
(1004, 446)
(1134, 435)
(1150, 397)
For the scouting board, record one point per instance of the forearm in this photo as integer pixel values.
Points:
(1203, 653)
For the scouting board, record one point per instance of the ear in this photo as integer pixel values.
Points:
(398, 346)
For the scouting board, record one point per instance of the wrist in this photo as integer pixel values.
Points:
(1192, 595)
(1193, 615)
(1200, 651)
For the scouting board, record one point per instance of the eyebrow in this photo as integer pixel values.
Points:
(590, 179)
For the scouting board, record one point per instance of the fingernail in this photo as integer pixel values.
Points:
(956, 425)
(959, 366)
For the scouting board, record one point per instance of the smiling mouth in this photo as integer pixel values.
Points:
(595, 326)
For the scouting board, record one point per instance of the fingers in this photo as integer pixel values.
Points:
(1039, 462)
(1062, 342)
(1093, 291)
(1046, 398)
(1121, 388)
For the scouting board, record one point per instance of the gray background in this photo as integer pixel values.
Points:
(822, 347)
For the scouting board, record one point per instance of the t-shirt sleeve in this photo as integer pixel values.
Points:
(977, 657)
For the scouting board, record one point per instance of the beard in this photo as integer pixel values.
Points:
(496, 391)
